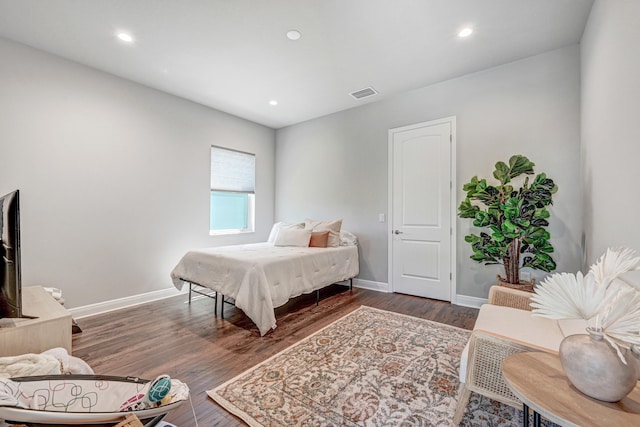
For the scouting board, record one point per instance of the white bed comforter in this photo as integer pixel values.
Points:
(261, 276)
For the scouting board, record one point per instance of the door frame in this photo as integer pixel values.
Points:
(452, 121)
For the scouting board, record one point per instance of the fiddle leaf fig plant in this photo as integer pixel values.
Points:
(514, 218)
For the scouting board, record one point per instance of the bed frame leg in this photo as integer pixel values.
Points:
(317, 297)
(221, 305)
(351, 284)
(190, 285)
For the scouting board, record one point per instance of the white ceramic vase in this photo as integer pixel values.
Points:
(594, 368)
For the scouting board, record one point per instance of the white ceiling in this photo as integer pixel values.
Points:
(233, 55)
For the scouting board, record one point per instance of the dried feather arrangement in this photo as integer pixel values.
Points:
(620, 321)
(614, 262)
(613, 312)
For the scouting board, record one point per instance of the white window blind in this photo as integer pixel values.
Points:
(232, 171)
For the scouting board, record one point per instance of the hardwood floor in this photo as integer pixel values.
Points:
(188, 343)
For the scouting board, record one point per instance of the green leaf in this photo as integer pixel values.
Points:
(511, 208)
(478, 256)
(541, 213)
(539, 233)
(482, 219)
(509, 227)
(501, 173)
(494, 212)
(539, 223)
(540, 263)
(546, 247)
(467, 210)
(471, 185)
(472, 238)
(513, 202)
(487, 194)
(519, 164)
(543, 257)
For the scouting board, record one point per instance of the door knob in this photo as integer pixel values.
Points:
(397, 232)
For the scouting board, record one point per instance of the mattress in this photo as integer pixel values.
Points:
(261, 277)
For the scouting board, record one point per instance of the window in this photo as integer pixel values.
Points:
(232, 191)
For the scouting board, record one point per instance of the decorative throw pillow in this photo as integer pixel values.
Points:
(319, 239)
(347, 238)
(293, 237)
(280, 225)
(332, 226)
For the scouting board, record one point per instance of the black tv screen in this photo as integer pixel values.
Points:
(10, 279)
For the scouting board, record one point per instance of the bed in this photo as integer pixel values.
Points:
(262, 276)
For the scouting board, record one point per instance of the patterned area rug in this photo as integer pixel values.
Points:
(369, 368)
(485, 412)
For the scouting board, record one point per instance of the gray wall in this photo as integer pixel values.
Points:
(336, 166)
(114, 176)
(611, 126)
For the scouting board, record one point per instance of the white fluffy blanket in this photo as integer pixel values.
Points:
(27, 365)
(51, 362)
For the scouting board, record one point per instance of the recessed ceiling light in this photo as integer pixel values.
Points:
(293, 34)
(125, 37)
(465, 32)
(273, 102)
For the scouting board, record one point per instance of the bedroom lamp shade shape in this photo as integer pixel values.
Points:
(513, 219)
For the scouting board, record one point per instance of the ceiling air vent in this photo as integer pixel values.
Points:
(364, 93)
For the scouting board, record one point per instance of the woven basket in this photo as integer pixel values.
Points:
(131, 420)
(524, 285)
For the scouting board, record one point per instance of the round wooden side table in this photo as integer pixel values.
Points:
(539, 381)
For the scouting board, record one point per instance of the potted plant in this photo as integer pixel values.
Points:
(515, 218)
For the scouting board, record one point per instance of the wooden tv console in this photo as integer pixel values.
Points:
(51, 327)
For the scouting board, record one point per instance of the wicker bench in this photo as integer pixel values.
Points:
(504, 327)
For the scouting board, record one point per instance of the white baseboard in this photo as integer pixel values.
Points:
(467, 301)
(116, 304)
(371, 285)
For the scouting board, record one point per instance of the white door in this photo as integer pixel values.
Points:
(421, 183)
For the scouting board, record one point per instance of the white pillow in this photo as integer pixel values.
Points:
(332, 226)
(347, 238)
(293, 237)
(280, 225)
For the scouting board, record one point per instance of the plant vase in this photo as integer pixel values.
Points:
(593, 366)
(523, 285)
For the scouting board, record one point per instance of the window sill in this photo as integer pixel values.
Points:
(229, 232)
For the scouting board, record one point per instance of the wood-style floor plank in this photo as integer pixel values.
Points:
(189, 343)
